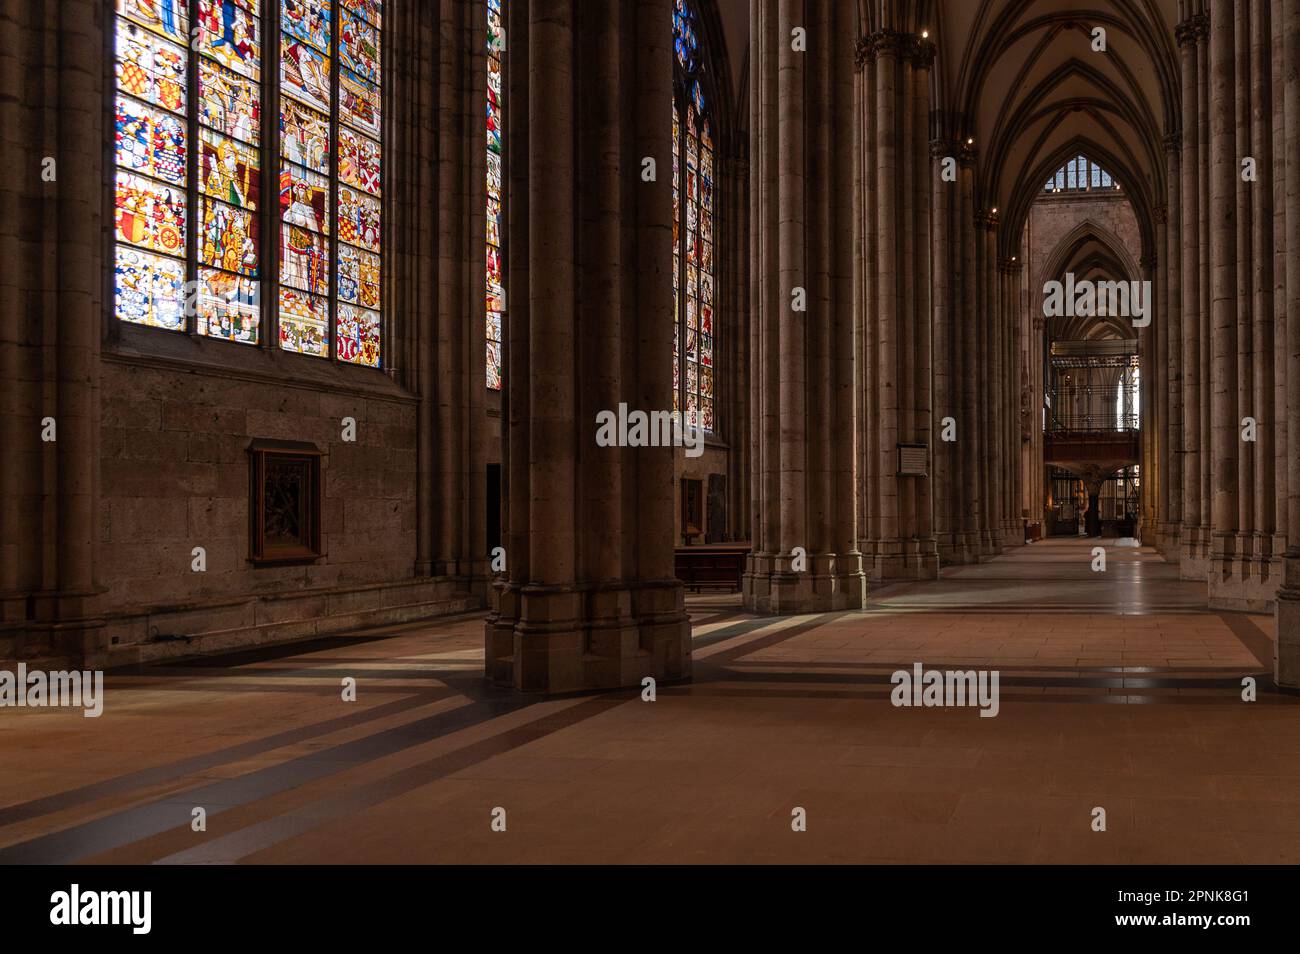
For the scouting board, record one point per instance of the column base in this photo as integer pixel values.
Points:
(1286, 665)
(1167, 542)
(952, 549)
(1242, 574)
(53, 624)
(1194, 557)
(903, 560)
(827, 582)
(584, 637)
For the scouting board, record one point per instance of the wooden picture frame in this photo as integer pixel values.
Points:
(284, 502)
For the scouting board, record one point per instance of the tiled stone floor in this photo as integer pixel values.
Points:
(1132, 705)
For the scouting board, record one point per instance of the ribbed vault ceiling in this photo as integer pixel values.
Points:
(1021, 79)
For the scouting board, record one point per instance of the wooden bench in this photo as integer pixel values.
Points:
(712, 565)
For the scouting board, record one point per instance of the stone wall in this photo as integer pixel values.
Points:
(174, 475)
(98, 525)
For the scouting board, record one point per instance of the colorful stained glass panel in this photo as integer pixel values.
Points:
(494, 350)
(230, 34)
(359, 161)
(228, 306)
(304, 260)
(169, 18)
(229, 103)
(372, 10)
(358, 219)
(228, 169)
(228, 237)
(304, 73)
(150, 140)
(359, 46)
(149, 289)
(150, 214)
(304, 198)
(304, 323)
(149, 67)
(358, 277)
(358, 336)
(496, 292)
(304, 135)
(359, 103)
(308, 21)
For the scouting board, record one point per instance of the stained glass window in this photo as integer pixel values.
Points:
(496, 292)
(693, 231)
(1080, 174)
(191, 178)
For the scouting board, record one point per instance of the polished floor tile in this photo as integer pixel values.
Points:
(1117, 691)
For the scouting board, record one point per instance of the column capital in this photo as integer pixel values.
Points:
(881, 43)
(1160, 213)
(986, 219)
(1192, 29)
(1149, 262)
(1174, 140)
(1009, 266)
(940, 148)
(919, 50)
(967, 153)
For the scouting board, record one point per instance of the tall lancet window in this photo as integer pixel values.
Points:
(330, 159)
(496, 291)
(199, 232)
(693, 232)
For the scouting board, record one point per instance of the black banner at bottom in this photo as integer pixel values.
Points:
(332, 904)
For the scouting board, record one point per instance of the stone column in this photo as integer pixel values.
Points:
(1151, 420)
(988, 405)
(896, 322)
(733, 339)
(967, 425)
(1266, 565)
(925, 554)
(1037, 496)
(1245, 481)
(1224, 176)
(1158, 335)
(1288, 598)
(1281, 351)
(439, 149)
(1191, 34)
(590, 599)
(1171, 335)
(464, 555)
(1009, 456)
(944, 459)
(805, 556)
(53, 293)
